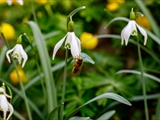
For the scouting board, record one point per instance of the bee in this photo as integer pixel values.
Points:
(77, 65)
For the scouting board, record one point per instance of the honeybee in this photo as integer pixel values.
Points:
(77, 65)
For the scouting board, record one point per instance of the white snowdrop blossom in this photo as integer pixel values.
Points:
(19, 53)
(131, 29)
(72, 43)
(10, 2)
(5, 105)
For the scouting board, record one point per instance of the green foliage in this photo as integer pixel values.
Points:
(108, 71)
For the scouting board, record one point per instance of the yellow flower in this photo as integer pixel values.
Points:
(14, 76)
(41, 1)
(2, 1)
(113, 6)
(8, 31)
(118, 1)
(88, 41)
(143, 21)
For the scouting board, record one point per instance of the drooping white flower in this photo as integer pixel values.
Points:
(4, 104)
(131, 29)
(10, 2)
(19, 53)
(72, 42)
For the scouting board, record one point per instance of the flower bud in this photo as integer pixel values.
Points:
(70, 26)
(19, 40)
(132, 15)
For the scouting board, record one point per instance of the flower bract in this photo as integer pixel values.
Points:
(71, 42)
(19, 53)
(131, 29)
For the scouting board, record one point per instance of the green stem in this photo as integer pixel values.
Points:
(158, 109)
(38, 66)
(64, 85)
(20, 81)
(143, 80)
(33, 11)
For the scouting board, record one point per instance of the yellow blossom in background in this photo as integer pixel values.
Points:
(41, 1)
(8, 31)
(14, 76)
(118, 1)
(88, 41)
(113, 5)
(143, 21)
(2, 1)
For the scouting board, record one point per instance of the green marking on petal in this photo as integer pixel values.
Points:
(67, 46)
(134, 33)
(15, 55)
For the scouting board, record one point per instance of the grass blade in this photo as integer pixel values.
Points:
(107, 115)
(105, 95)
(139, 73)
(44, 57)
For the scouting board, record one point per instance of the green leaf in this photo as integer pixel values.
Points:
(154, 37)
(2, 57)
(117, 18)
(86, 58)
(53, 112)
(139, 73)
(80, 118)
(105, 95)
(107, 115)
(51, 34)
(46, 66)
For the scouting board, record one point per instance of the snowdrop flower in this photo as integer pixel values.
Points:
(10, 2)
(4, 104)
(131, 29)
(71, 42)
(19, 53)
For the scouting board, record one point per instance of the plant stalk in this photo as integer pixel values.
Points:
(20, 81)
(143, 80)
(64, 85)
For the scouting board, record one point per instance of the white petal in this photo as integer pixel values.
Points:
(2, 90)
(9, 2)
(68, 39)
(9, 51)
(126, 32)
(17, 53)
(3, 103)
(19, 59)
(79, 44)
(74, 47)
(11, 110)
(133, 28)
(20, 2)
(122, 37)
(24, 56)
(57, 46)
(143, 32)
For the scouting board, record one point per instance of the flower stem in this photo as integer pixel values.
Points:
(64, 85)
(33, 11)
(20, 81)
(38, 66)
(143, 80)
(75, 11)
